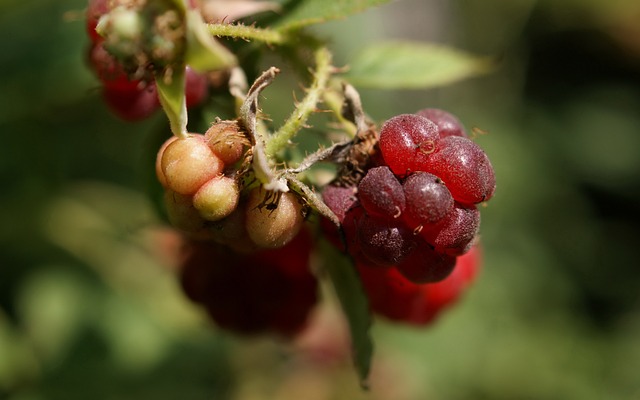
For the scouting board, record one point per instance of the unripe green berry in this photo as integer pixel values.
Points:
(217, 198)
(271, 221)
(188, 163)
(126, 23)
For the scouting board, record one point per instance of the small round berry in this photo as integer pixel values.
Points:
(132, 104)
(227, 141)
(381, 194)
(188, 163)
(425, 265)
(340, 199)
(196, 87)
(110, 71)
(384, 242)
(181, 212)
(231, 231)
(273, 218)
(448, 124)
(455, 234)
(428, 199)
(405, 142)
(217, 198)
(464, 167)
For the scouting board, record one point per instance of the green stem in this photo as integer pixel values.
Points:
(334, 101)
(306, 107)
(247, 33)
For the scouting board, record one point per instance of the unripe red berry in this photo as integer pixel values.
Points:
(188, 163)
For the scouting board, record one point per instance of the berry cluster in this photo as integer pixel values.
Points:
(415, 208)
(128, 90)
(268, 291)
(203, 192)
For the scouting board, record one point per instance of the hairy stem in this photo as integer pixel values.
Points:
(247, 33)
(306, 107)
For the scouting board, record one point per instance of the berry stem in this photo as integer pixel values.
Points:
(247, 33)
(308, 105)
(249, 117)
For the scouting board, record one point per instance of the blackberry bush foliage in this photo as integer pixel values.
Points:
(396, 229)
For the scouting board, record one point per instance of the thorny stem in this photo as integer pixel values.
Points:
(247, 33)
(306, 107)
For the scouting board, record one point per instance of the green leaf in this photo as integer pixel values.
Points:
(317, 11)
(412, 65)
(204, 53)
(172, 97)
(355, 305)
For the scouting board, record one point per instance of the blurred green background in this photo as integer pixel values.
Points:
(89, 305)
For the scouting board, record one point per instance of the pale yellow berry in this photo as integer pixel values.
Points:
(188, 163)
(217, 198)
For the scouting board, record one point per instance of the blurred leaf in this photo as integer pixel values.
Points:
(355, 305)
(171, 93)
(18, 363)
(54, 305)
(412, 65)
(317, 11)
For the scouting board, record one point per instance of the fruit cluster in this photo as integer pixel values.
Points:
(268, 291)
(414, 211)
(128, 90)
(203, 193)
